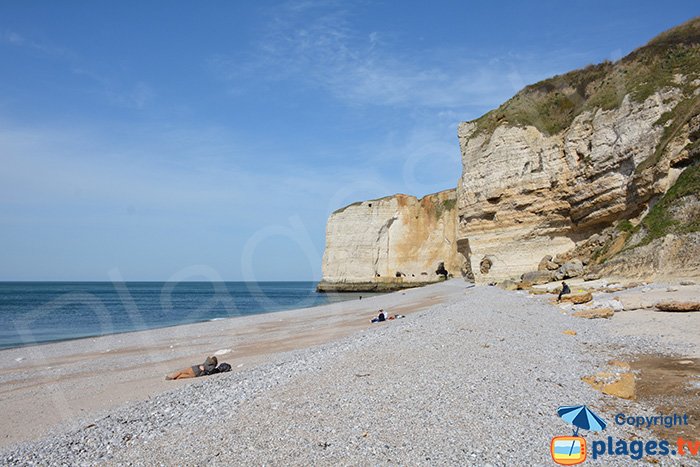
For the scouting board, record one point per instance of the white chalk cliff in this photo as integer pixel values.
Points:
(555, 165)
(389, 243)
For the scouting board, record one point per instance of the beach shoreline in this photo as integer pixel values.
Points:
(74, 379)
(468, 372)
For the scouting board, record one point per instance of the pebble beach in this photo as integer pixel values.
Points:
(474, 378)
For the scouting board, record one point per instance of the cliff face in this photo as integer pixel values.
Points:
(390, 243)
(524, 194)
(666, 243)
(579, 165)
(571, 155)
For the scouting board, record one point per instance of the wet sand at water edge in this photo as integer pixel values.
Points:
(70, 380)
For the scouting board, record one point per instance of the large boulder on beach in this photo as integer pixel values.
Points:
(678, 306)
(508, 285)
(578, 298)
(573, 268)
(546, 264)
(537, 277)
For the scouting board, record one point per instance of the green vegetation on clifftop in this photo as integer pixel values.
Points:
(445, 205)
(671, 59)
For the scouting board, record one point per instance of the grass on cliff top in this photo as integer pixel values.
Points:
(659, 222)
(440, 207)
(551, 105)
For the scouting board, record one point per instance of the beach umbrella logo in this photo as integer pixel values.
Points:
(571, 450)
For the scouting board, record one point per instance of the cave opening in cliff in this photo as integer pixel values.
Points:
(466, 252)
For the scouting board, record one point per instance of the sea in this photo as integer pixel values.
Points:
(39, 312)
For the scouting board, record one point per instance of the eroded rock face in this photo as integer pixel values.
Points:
(390, 243)
(664, 258)
(524, 194)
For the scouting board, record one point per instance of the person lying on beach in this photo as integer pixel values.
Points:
(207, 368)
(564, 290)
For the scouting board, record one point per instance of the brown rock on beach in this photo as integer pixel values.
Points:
(578, 298)
(537, 277)
(595, 313)
(678, 306)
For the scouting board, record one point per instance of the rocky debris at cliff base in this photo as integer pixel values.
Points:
(570, 269)
(508, 285)
(546, 264)
(649, 296)
(536, 278)
(584, 309)
(594, 313)
(550, 270)
(681, 307)
(614, 303)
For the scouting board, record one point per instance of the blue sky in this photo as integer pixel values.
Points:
(211, 140)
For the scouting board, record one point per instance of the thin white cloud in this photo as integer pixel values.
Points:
(12, 37)
(317, 45)
(129, 95)
(15, 39)
(134, 96)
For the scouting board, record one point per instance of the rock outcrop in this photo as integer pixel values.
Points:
(666, 242)
(595, 313)
(569, 156)
(596, 168)
(391, 243)
(678, 306)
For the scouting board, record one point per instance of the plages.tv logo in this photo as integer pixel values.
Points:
(571, 450)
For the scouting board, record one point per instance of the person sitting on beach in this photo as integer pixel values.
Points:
(206, 368)
(381, 317)
(564, 290)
